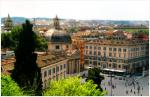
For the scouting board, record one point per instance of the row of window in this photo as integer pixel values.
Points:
(115, 49)
(54, 70)
(110, 54)
(104, 48)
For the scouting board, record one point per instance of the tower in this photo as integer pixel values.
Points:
(8, 24)
(56, 23)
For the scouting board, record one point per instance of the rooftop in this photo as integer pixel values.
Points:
(49, 59)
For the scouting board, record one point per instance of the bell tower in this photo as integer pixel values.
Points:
(56, 23)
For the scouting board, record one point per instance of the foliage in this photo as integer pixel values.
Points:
(11, 39)
(26, 72)
(73, 87)
(94, 75)
(41, 43)
(6, 40)
(145, 31)
(15, 32)
(9, 87)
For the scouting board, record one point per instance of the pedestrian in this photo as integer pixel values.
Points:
(131, 90)
(126, 91)
(134, 92)
(105, 88)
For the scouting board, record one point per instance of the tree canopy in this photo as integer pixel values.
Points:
(94, 75)
(11, 39)
(9, 87)
(26, 72)
(73, 86)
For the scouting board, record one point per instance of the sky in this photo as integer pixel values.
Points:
(78, 9)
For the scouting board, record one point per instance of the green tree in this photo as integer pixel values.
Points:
(15, 32)
(41, 43)
(9, 87)
(10, 39)
(94, 75)
(73, 86)
(6, 40)
(26, 72)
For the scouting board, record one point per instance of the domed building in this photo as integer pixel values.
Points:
(58, 40)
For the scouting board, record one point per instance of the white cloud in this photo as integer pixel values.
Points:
(84, 9)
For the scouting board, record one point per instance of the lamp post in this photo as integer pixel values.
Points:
(111, 82)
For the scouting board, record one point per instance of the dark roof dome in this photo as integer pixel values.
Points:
(54, 35)
(57, 35)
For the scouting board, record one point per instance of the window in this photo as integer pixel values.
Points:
(94, 47)
(99, 58)
(124, 50)
(99, 53)
(86, 47)
(119, 55)
(94, 52)
(53, 70)
(90, 52)
(109, 65)
(114, 54)
(124, 55)
(104, 48)
(90, 47)
(99, 48)
(104, 54)
(57, 69)
(49, 72)
(45, 73)
(119, 66)
(114, 49)
(114, 65)
(119, 49)
(110, 54)
(61, 67)
(110, 49)
(67, 46)
(57, 46)
(64, 65)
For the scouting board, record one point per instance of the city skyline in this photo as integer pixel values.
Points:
(84, 9)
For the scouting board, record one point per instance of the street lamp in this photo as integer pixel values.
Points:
(111, 81)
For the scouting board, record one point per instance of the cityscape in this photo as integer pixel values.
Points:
(57, 56)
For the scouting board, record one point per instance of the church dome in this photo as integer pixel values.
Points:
(56, 35)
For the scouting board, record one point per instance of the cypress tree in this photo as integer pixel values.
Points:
(26, 72)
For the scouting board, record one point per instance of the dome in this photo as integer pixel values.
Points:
(57, 36)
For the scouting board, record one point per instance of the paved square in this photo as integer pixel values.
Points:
(126, 87)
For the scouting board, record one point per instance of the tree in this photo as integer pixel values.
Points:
(10, 39)
(9, 87)
(6, 40)
(94, 75)
(41, 43)
(26, 72)
(15, 32)
(73, 87)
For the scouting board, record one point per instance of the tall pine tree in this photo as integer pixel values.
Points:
(26, 72)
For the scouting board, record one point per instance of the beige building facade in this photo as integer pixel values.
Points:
(117, 55)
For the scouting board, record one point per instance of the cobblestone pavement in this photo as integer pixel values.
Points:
(125, 87)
